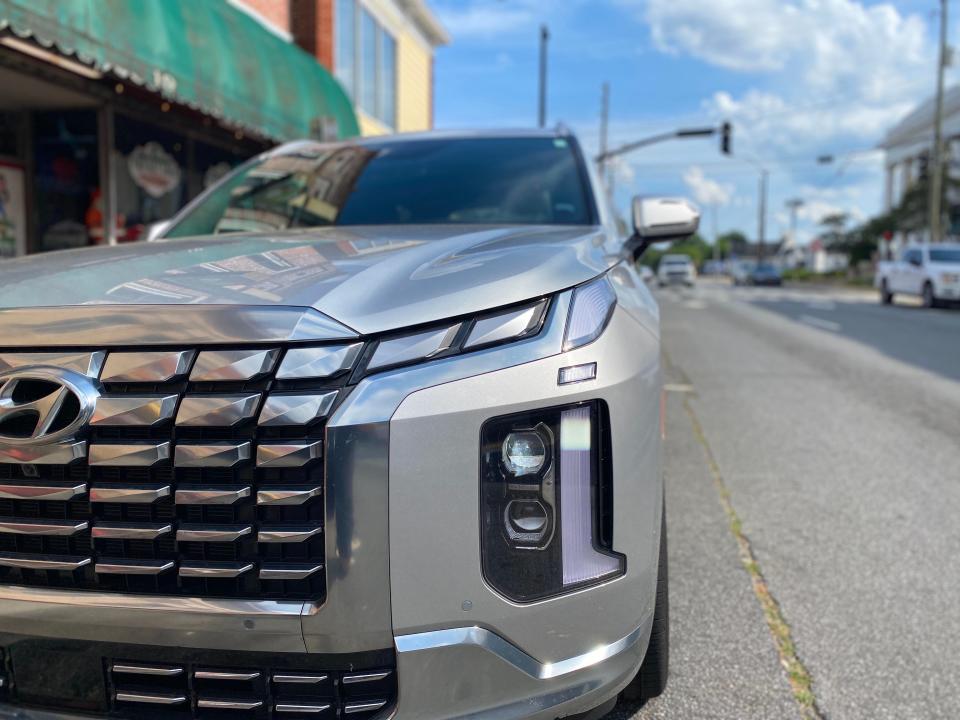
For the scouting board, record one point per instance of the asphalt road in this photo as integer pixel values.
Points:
(833, 425)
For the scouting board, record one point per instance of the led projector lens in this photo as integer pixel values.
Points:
(524, 453)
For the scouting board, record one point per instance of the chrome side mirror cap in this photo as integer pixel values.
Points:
(156, 229)
(658, 219)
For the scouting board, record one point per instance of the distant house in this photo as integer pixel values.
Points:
(815, 257)
(908, 146)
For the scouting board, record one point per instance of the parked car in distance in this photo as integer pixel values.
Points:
(931, 272)
(676, 270)
(740, 271)
(764, 274)
(404, 439)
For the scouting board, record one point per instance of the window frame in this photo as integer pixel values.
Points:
(357, 86)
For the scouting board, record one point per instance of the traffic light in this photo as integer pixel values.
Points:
(923, 166)
(726, 139)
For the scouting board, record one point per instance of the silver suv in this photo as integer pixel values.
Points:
(372, 431)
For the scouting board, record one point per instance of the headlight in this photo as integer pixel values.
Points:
(546, 502)
(590, 311)
(950, 278)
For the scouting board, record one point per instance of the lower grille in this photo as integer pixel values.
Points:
(158, 683)
(172, 691)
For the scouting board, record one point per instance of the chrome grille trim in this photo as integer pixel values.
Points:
(233, 365)
(133, 567)
(60, 454)
(33, 562)
(146, 670)
(288, 571)
(151, 698)
(275, 535)
(210, 495)
(300, 678)
(288, 455)
(318, 362)
(222, 454)
(127, 411)
(133, 455)
(363, 706)
(85, 363)
(287, 495)
(190, 533)
(224, 675)
(302, 709)
(140, 494)
(214, 570)
(229, 704)
(129, 531)
(25, 526)
(146, 367)
(160, 494)
(299, 409)
(41, 491)
(216, 410)
(365, 677)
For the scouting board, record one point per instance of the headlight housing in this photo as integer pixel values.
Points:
(546, 502)
(590, 311)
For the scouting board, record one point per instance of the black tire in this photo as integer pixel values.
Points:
(651, 679)
(886, 297)
(929, 299)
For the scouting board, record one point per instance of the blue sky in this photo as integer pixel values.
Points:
(798, 78)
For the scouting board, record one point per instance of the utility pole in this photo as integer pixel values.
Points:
(542, 108)
(936, 178)
(762, 214)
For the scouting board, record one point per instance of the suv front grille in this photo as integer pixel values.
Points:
(200, 474)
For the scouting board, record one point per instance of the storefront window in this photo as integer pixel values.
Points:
(151, 174)
(67, 180)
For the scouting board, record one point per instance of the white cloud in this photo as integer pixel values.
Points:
(839, 68)
(705, 190)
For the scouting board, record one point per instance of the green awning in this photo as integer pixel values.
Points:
(205, 54)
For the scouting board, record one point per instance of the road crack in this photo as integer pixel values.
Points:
(798, 676)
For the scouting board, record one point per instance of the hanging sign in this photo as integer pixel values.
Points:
(153, 169)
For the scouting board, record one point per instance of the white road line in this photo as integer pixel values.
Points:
(821, 305)
(820, 323)
(678, 388)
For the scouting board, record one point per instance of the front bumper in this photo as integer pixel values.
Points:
(403, 561)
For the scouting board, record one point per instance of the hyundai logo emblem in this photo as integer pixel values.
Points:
(44, 405)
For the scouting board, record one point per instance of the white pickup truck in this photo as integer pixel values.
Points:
(931, 272)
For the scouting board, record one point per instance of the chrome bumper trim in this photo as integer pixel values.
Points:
(506, 651)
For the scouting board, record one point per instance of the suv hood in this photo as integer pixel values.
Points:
(372, 279)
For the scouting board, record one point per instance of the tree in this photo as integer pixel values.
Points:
(732, 243)
(834, 228)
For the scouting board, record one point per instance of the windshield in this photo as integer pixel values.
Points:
(945, 255)
(765, 268)
(510, 181)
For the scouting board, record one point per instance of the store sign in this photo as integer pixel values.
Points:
(153, 169)
(13, 215)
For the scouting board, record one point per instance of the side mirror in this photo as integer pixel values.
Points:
(661, 220)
